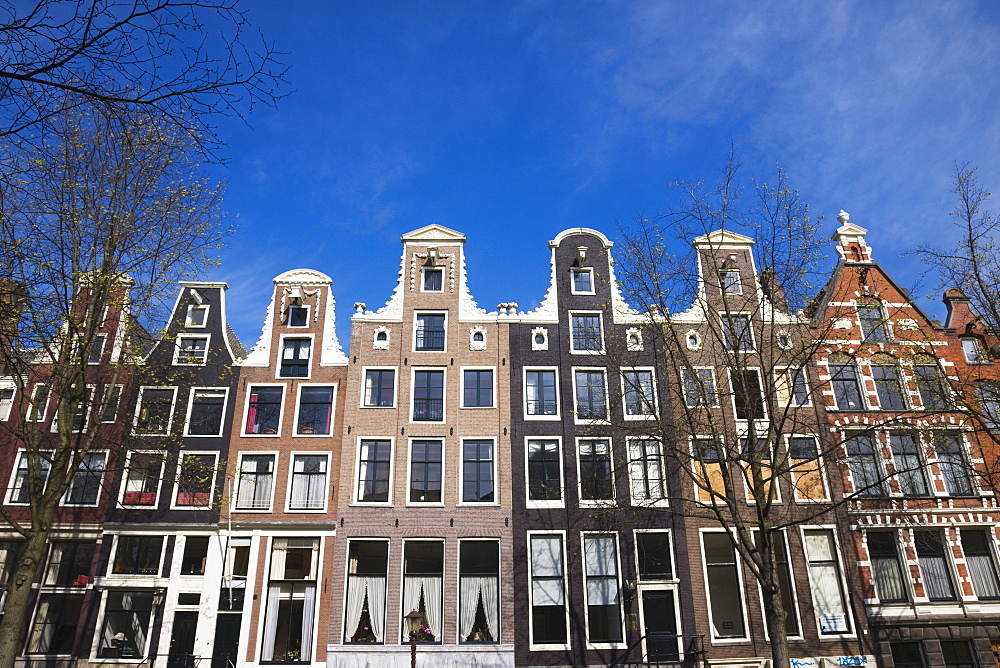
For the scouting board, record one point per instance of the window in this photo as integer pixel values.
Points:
(298, 316)
(110, 413)
(596, 481)
(69, 564)
(604, 614)
(747, 397)
(583, 281)
(585, 333)
(256, 477)
(428, 396)
(907, 655)
(142, 481)
(874, 327)
(479, 591)
(39, 402)
(540, 393)
(988, 393)
(909, 466)
(295, 358)
(807, 476)
(315, 411)
(191, 350)
(653, 551)
(824, 580)
(887, 568)
(548, 590)
(373, 471)
(125, 629)
(756, 453)
(433, 279)
(85, 486)
(724, 588)
(27, 483)
(194, 556)
(477, 388)
(477, 471)
(156, 410)
(264, 409)
(844, 382)
(639, 392)
(364, 609)
(308, 484)
(197, 316)
(97, 349)
(425, 471)
(645, 469)
(737, 335)
(979, 558)
(544, 472)
(934, 566)
(591, 402)
(957, 654)
(137, 555)
(786, 589)
(931, 384)
(699, 388)
(957, 475)
(81, 397)
(863, 463)
(430, 332)
(6, 400)
(707, 469)
(232, 594)
(888, 383)
(291, 601)
(380, 388)
(195, 480)
(974, 352)
(729, 280)
(54, 628)
(206, 412)
(423, 573)
(791, 387)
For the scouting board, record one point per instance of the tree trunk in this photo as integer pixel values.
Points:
(16, 611)
(774, 617)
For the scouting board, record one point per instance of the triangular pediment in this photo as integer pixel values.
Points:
(849, 230)
(721, 238)
(438, 233)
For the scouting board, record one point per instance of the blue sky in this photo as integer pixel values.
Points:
(513, 121)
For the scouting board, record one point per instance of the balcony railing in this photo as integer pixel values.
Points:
(430, 410)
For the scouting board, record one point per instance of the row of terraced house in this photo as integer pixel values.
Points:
(499, 473)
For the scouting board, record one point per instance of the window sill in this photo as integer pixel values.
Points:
(364, 406)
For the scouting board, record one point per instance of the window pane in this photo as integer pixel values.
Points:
(143, 479)
(478, 388)
(736, 333)
(425, 471)
(654, 555)
(725, 597)
(646, 470)
(548, 597)
(747, 395)
(824, 580)
(428, 396)
(315, 410)
(590, 395)
(604, 622)
(85, 486)
(295, 358)
(373, 471)
(639, 397)
(137, 555)
(886, 567)
(195, 480)
(979, 558)
(909, 466)
(544, 480)
(308, 482)
(206, 412)
(586, 332)
(430, 332)
(477, 471)
(873, 322)
(379, 387)
(596, 481)
(364, 608)
(155, 406)
(479, 589)
(264, 410)
(540, 393)
(254, 486)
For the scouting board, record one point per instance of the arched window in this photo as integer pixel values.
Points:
(874, 327)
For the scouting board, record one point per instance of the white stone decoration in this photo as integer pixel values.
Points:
(843, 323)
(540, 338)
(693, 340)
(380, 338)
(908, 324)
(477, 338)
(784, 340)
(633, 339)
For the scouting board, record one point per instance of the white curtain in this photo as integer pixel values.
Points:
(356, 585)
(984, 577)
(472, 588)
(375, 586)
(279, 550)
(41, 638)
(308, 616)
(376, 604)
(934, 568)
(489, 586)
(270, 622)
(469, 592)
(431, 586)
(888, 579)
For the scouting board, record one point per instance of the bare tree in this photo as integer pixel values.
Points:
(186, 60)
(114, 213)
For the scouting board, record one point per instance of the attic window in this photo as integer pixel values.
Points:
(197, 316)
(729, 280)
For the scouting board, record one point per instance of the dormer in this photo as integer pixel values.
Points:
(960, 315)
(432, 260)
(581, 260)
(725, 263)
(850, 240)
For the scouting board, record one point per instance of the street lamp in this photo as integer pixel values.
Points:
(413, 620)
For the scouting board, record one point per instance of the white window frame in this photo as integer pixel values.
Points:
(333, 410)
(109, 389)
(673, 562)
(13, 476)
(89, 399)
(561, 502)
(663, 502)
(409, 471)
(524, 393)
(177, 483)
(762, 393)
(596, 503)
(207, 338)
(722, 282)
(586, 602)
(795, 592)
(444, 393)
(189, 322)
(423, 278)
(416, 315)
(973, 351)
(344, 634)
(43, 413)
(170, 417)
(741, 590)
(711, 399)
(820, 464)
(103, 338)
(125, 479)
(291, 477)
(114, 555)
(364, 386)
(572, 341)
(607, 397)
(724, 317)
(64, 501)
(572, 280)
(785, 372)
(655, 402)
(7, 409)
(853, 623)
(246, 410)
(491, 369)
(275, 458)
(461, 472)
(298, 336)
(775, 459)
(532, 645)
(222, 421)
(288, 315)
(356, 485)
(991, 546)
